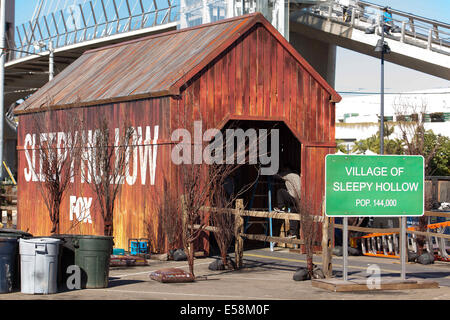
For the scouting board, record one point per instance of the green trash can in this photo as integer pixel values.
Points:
(17, 234)
(8, 262)
(92, 255)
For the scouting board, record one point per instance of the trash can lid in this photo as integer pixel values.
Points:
(41, 240)
(65, 236)
(12, 232)
(95, 237)
(81, 236)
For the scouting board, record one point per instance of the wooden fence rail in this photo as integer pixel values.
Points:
(327, 228)
(263, 214)
(240, 213)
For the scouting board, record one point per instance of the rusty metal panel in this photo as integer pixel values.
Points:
(138, 68)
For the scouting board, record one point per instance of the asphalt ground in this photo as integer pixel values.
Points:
(266, 275)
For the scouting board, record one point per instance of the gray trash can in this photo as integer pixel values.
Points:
(8, 247)
(39, 265)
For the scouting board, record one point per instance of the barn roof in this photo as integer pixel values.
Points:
(153, 66)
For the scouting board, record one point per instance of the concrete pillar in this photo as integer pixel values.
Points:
(320, 55)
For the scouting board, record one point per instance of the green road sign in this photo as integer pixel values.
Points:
(360, 185)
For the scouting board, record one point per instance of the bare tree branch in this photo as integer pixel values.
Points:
(104, 159)
(59, 150)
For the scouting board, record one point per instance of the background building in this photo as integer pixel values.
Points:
(357, 117)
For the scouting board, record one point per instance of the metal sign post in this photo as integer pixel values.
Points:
(374, 186)
(403, 246)
(345, 247)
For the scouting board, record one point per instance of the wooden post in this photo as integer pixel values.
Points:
(284, 233)
(9, 219)
(238, 229)
(327, 244)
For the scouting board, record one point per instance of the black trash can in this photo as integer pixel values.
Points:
(8, 262)
(66, 257)
(15, 234)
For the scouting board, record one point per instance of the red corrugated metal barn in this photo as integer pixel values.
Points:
(238, 69)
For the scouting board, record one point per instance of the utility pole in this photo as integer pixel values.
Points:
(2, 78)
(383, 48)
(51, 63)
(382, 93)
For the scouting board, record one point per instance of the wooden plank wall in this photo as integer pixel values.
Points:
(135, 205)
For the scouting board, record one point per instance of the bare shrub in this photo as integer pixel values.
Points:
(195, 196)
(309, 227)
(104, 160)
(410, 120)
(59, 149)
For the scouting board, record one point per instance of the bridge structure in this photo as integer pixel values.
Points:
(56, 36)
(417, 43)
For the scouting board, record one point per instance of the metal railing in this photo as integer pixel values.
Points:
(101, 18)
(412, 29)
(89, 21)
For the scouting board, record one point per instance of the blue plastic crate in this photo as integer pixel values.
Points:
(138, 246)
(134, 247)
(143, 247)
(118, 252)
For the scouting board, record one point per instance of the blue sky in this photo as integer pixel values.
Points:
(354, 71)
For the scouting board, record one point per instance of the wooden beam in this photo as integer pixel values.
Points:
(437, 214)
(206, 228)
(264, 214)
(260, 237)
(12, 208)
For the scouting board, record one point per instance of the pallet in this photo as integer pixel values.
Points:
(339, 285)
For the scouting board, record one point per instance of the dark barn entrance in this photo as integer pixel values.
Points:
(258, 191)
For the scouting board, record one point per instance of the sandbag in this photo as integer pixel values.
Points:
(171, 275)
(425, 258)
(412, 256)
(179, 255)
(301, 274)
(338, 251)
(354, 251)
(216, 265)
